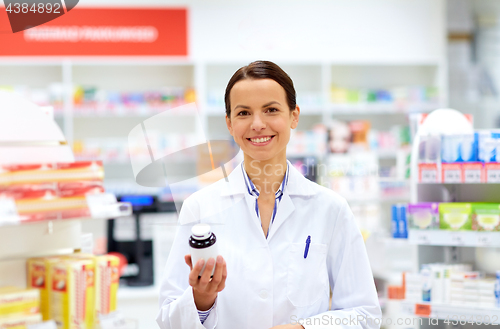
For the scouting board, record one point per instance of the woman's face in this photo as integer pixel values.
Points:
(260, 120)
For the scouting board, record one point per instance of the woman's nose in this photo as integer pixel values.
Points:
(258, 122)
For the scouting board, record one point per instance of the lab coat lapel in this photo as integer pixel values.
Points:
(285, 210)
(297, 185)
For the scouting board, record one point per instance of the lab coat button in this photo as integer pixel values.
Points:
(263, 294)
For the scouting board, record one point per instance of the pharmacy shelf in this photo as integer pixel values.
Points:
(453, 313)
(379, 108)
(454, 238)
(133, 293)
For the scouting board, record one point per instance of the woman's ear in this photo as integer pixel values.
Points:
(229, 125)
(295, 117)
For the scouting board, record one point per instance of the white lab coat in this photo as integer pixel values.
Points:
(269, 282)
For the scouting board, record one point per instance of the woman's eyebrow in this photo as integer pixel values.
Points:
(248, 107)
(242, 106)
(270, 103)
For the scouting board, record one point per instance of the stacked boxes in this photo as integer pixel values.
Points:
(464, 158)
(51, 191)
(19, 307)
(451, 284)
(40, 277)
(75, 288)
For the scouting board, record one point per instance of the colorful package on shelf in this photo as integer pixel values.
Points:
(73, 293)
(455, 216)
(402, 96)
(488, 145)
(459, 148)
(107, 278)
(423, 215)
(399, 223)
(486, 217)
(39, 277)
(50, 173)
(51, 191)
(20, 321)
(90, 100)
(18, 301)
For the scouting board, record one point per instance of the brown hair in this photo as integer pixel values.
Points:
(262, 70)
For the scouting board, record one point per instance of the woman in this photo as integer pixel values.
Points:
(284, 241)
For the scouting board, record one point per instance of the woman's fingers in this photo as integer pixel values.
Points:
(187, 259)
(222, 284)
(195, 272)
(207, 283)
(217, 278)
(207, 273)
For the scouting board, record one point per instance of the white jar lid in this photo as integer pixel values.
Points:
(201, 231)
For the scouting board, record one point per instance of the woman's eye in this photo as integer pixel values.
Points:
(272, 109)
(242, 112)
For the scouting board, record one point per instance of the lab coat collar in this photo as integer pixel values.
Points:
(297, 183)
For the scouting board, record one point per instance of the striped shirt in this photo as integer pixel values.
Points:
(252, 190)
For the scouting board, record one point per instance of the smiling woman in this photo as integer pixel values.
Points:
(289, 243)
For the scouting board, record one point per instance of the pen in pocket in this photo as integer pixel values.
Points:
(308, 242)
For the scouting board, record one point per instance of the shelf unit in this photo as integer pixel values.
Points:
(453, 313)
(312, 80)
(452, 246)
(22, 240)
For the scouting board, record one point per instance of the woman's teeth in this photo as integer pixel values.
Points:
(260, 140)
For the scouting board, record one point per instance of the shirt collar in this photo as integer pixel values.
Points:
(252, 189)
(296, 183)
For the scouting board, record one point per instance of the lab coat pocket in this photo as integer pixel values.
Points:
(307, 277)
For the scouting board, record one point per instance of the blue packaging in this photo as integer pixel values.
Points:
(468, 148)
(487, 142)
(399, 223)
(497, 290)
(403, 223)
(395, 221)
(450, 148)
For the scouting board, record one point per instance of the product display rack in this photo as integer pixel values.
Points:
(455, 314)
(432, 246)
(22, 240)
(313, 82)
(313, 79)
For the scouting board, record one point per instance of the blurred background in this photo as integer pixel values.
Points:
(367, 73)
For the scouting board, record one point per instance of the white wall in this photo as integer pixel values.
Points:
(339, 30)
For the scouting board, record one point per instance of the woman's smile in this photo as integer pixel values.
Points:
(261, 140)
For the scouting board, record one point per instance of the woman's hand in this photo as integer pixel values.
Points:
(205, 289)
(288, 326)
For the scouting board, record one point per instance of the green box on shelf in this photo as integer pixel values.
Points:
(455, 216)
(486, 217)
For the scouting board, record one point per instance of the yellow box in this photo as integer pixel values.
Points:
(39, 277)
(72, 293)
(14, 300)
(20, 321)
(107, 280)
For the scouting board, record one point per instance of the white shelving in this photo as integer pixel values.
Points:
(312, 79)
(432, 246)
(452, 238)
(469, 314)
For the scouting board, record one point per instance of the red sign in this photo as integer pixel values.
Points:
(101, 32)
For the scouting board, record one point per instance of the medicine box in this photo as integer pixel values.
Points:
(456, 216)
(18, 301)
(423, 215)
(486, 217)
